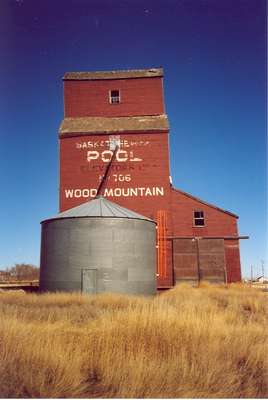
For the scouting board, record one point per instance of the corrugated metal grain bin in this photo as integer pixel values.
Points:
(98, 247)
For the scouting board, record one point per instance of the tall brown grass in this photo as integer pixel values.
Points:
(187, 342)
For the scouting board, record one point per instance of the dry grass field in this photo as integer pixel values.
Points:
(187, 342)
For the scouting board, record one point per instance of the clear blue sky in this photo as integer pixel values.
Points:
(214, 58)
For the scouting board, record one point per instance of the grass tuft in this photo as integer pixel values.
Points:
(185, 343)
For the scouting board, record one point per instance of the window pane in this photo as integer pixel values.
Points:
(199, 222)
(198, 214)
(114, 96)
(114, 93)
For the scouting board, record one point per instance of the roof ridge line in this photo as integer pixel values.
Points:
(107, 204)
(152, 72)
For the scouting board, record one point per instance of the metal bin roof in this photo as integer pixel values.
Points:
(99, 207)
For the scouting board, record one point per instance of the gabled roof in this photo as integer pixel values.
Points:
(99, 207)
(119, 74)
(93, 125)
(204, 202)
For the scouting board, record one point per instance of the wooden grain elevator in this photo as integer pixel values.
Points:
(114, 142)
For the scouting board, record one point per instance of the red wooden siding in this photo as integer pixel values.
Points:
(139, 175)
(139, 96)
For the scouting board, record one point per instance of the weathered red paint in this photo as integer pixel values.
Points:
(232, 257)
(139, 96)
(143, 163)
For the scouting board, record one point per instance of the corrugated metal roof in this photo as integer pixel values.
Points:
(99, 207)
(114, 124)
(120, 74)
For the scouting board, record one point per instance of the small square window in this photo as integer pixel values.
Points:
(199, 219)
(114, 97)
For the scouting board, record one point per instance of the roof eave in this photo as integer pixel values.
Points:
(92, 133)
(115, 74)
(204, 202)
(96, 216)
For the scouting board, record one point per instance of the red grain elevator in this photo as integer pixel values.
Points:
(114, 141)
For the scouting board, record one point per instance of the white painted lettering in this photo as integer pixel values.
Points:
(93, 192)
(106, 155)
(141, 191)
(159, 191)
(125, 192)
(133, 192)
(92, 155)
(121, 155)
(85, 193)
(117, 192)
(77, 193)
(69, 193)
(108, 192)
(132, 158)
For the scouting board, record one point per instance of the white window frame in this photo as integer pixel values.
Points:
(116, 98)
(198, 218)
